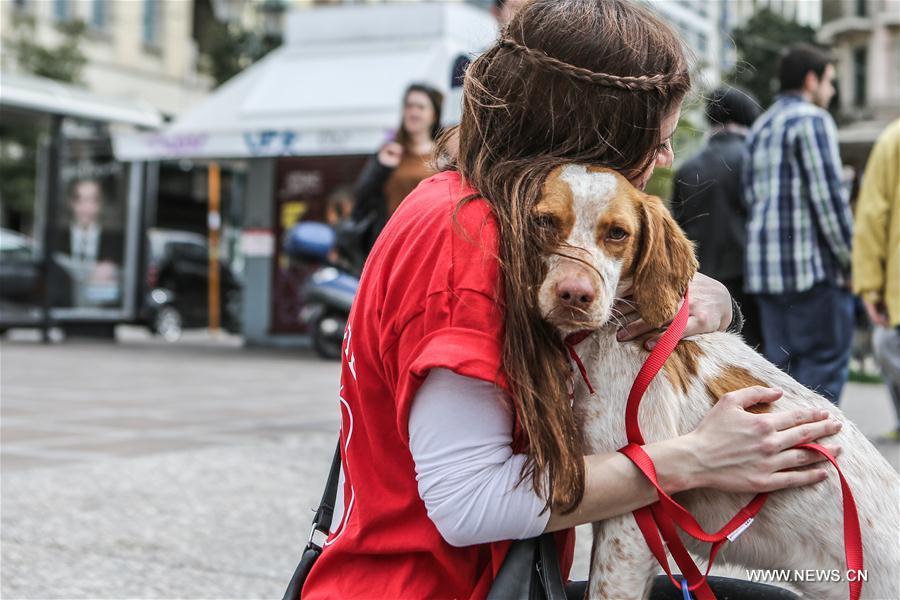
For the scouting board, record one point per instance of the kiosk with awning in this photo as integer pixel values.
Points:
(305, 118)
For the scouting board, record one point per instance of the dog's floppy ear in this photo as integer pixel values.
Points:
(664, 265)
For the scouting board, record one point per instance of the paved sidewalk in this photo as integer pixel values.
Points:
(149, 470)
(152, 470)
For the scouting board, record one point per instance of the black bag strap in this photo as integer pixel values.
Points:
(530, 571)
(325, 512)
(322, 524)
(548, 567)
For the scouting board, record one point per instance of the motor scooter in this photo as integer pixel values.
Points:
(328, 293)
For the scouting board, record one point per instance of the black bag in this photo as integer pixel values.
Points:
(322, 524)
(530, 570)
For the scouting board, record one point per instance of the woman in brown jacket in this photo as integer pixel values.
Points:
(401, 164)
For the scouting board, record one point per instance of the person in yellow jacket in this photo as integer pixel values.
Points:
(876, 256)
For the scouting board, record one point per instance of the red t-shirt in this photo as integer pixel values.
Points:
(429, 297)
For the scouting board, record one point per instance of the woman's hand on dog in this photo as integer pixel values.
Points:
(710, 311)
(739, 451)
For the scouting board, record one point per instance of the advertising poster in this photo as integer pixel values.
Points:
(89, 243)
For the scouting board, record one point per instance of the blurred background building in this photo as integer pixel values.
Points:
(285, 99)
(146, 50)
(805, 12)
(864, 37)
(703, 27)
(706, 26)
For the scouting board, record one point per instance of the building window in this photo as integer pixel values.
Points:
(62, 10)
(862, 8)
(99, 14)
(151, 23)
(860, 76)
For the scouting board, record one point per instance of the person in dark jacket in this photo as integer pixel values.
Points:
(400, 164)
(707, 202)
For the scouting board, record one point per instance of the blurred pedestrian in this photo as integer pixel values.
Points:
(876, 256)
(706, 198)
(401, 163)
(339, 204)
(800, 227)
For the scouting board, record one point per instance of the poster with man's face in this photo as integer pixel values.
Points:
(89, 243)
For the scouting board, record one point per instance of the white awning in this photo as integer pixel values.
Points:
(38, 94)
(334, 87)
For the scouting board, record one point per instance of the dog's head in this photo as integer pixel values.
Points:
(608, 237)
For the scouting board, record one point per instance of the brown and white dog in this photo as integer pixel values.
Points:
(613, 237)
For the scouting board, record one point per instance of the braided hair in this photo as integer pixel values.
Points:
(647, 83)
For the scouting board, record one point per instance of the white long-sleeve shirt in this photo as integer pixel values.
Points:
(460, 436)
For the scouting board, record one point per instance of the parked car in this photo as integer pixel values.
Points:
(21, 280)
(177, 284)
(19, 268)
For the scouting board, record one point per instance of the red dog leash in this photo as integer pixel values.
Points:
(658, 521)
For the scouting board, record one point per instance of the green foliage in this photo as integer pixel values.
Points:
(759, 44)
(19, 139)
(64, 62)
(231, 49)
(857, 376)
(686, 141)
(18, 160)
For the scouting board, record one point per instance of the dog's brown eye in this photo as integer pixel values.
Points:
(545, 221)
(616, 234)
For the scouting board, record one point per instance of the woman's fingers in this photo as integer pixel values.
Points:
(710, 310)
(793, 458)
(627, 316)
(789, 479)
(625, 306)
(711, 303)
(749, 396)
(634, 330)
(745, 452)
(807, 432)
(792, 418)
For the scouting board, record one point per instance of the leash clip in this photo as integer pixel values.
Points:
(686, 590)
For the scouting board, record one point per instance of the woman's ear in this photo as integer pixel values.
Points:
(664, 266)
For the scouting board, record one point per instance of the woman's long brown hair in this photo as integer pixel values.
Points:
(585, 81)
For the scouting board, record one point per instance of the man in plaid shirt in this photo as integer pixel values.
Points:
(799, 228)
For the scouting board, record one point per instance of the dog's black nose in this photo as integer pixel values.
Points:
(576, 292)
